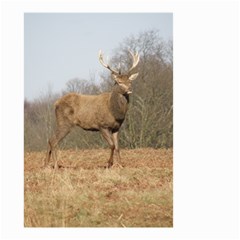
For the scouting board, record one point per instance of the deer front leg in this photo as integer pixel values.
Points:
(48, 156)
(107, 134)
(117, 150)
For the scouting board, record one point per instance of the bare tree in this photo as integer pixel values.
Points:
(150, 119)
(38, 120)
(81, 86)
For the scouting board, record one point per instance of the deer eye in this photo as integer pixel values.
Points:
(122, 85)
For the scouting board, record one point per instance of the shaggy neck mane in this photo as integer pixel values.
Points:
(118, 103)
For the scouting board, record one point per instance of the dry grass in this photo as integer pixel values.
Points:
(84, 194)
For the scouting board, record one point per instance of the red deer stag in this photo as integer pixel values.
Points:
(104, 112)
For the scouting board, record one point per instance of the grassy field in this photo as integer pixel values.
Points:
(84, 194)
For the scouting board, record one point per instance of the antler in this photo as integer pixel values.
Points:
(100, 55)
(135, 60)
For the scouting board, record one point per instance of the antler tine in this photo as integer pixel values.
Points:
(135, 60)
(100, 55)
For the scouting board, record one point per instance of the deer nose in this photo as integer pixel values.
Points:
(129, 90)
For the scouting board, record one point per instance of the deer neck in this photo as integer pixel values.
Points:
(118, 103)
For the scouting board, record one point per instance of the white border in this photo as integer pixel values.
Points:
(205, 103)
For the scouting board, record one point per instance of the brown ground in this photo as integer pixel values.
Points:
(82, 193)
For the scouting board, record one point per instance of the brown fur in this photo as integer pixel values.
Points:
(104, 112)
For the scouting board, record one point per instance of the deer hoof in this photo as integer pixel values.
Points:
(118, 165)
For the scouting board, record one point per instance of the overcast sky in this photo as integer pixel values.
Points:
(62, 46)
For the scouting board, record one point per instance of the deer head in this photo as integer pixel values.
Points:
(124, 81)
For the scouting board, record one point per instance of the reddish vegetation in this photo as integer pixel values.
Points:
(96, 158)
(84, 194)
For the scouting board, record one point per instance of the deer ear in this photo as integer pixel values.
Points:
(133, 76)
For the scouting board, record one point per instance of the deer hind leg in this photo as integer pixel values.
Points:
(60, 133)
(107, 134)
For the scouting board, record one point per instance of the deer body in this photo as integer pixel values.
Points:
(93, 112)
(104, 112)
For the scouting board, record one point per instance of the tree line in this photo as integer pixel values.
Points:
(149, 120)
